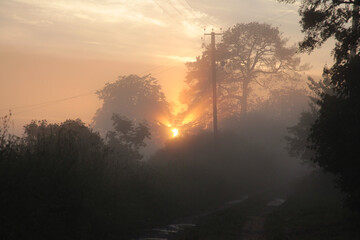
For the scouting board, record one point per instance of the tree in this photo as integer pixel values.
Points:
(334, 134)
(63, 181)
(323, 19)
(68, 144)
(9, 143)
(298, 142)
(138, 99)
(255, 53)
(283, 105)
(127, 138)
(250, 56)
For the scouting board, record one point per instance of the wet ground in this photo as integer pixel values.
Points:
(252, 229)
(169, 231)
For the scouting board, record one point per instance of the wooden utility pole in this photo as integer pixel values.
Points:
(213, 80)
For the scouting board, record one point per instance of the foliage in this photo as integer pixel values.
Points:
(285, 104)
(63, 181)
(250, 56)
(335, 133)
(313, 210)
(127, 137)
(323, 19)
(9, 143)
(243, 160)
(298, 135)
(70, 140)
(138, 98)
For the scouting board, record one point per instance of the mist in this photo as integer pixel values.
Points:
(179, 120)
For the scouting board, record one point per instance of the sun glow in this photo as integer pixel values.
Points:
(175, 132)
(189, 118)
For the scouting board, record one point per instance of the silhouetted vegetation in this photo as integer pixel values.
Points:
(70, 181)
(333, 136)
(313, 210)
(139, 98)
(252, 60)
(65, 181)
(62, 181)
(324, 19)
(335, 133)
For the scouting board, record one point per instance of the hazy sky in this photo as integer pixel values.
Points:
(65, 50)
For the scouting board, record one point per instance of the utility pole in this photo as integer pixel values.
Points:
(213, 80)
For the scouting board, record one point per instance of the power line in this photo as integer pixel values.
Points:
(59, 101)
(47, 103)
(171, 15)
(177, 10)
(192, 11)
(32, 107)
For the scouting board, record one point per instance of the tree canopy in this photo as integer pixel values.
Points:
(250, 56)
(137, 98)
(334, 132)
(334, 135)
(127, 137)
(323, 19)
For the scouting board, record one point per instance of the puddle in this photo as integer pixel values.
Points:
(276, 202)
(164, 233)
(239, 200)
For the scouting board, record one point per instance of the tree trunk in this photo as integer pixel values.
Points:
(244, 98)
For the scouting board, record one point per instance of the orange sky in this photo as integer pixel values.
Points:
(53, 50)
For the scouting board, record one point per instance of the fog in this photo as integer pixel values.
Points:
(177, 120)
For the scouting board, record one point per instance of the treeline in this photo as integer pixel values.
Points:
(64, 181)
(328, 136)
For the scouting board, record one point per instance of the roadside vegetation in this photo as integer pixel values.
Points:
(64, 181)
(313, 211)
(71, 181)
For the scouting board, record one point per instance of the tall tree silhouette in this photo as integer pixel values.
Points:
(136, 98)
(250, 56)
(324, 19)
(334, 135)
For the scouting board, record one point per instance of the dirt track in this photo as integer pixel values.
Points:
(253, 228)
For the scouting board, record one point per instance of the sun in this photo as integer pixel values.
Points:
(175, 132)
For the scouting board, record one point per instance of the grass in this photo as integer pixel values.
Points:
(313, 211)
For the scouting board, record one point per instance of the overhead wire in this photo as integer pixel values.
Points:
(32, 107)
(172, 16)
(187, 6)
(47, 103)
(37, 106)
(183, 14)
